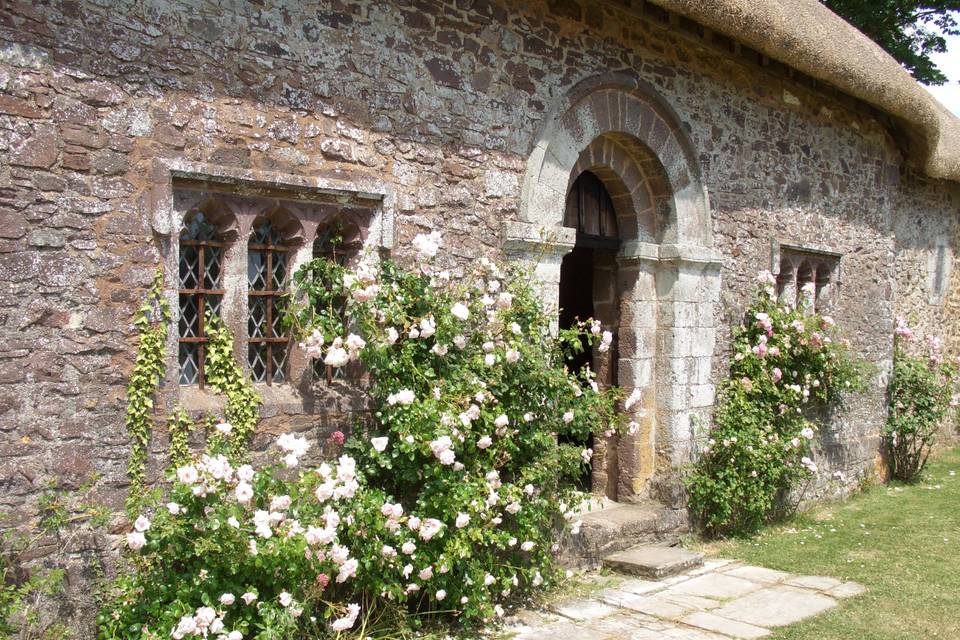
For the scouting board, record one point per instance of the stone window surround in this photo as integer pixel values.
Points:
(170, 175)
(939, 266)
(824, 254)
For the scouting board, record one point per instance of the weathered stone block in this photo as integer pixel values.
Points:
(654, 562)
(776, 606)
(39, 149)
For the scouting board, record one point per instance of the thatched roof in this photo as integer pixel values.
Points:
(812, 39)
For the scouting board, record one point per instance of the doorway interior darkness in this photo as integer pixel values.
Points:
(576, 303)
(588, 290)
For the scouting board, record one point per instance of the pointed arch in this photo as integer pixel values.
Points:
(207, 229)
(213, 211)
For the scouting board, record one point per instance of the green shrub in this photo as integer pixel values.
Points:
(919, 400)
(786, 361)
(448, 507)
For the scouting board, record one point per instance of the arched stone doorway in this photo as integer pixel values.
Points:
(666, 272)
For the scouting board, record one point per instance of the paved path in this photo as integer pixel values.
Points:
(721, 600)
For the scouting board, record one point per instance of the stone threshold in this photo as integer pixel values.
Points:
(609, 527)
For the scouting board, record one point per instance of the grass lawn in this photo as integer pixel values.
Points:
(901, 541)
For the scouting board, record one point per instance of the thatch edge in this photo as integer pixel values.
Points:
(807, 36)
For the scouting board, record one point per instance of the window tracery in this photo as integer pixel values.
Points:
(808, 278)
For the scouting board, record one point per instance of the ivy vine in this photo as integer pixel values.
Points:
(225, 375)
(179, 425)
(151, 320)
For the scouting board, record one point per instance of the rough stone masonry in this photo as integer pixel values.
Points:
(471, 117)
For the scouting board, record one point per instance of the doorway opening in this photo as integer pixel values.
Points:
(588, 289)
(576, 303)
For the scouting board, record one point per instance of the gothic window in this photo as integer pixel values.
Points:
(808, 278)
(268, 262)
(212, 260)
(200, 291)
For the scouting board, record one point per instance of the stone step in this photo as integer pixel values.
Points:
(609, 527)
(654, 561)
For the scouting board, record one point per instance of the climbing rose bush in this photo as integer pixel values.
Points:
(234, 552)
(448, 503)
(786, 360)
(920, 398)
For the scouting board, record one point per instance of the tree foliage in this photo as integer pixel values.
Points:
(909, 30)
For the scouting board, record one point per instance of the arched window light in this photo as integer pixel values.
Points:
(268, 262)
(200, 291)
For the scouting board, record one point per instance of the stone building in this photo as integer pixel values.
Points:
(666, 150)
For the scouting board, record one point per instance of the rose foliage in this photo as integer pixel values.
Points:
(920, 397)
(447, 503)
(786, 361)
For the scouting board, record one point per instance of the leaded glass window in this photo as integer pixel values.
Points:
(267, 266)
(200, 292)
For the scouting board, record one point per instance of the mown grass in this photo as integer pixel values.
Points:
(900, 541)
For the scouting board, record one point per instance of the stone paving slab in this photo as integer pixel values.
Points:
(687, 633)
(634, 626)
(820, 583)
(847, 590)
(564, 629)
(711, 622)
(640, 586)
(657, 607)
(583, 609)
(718, 585)
(710, 566)
(617, 597)
(695, 603)
(776, 606)
(757, 574)
(719, 601)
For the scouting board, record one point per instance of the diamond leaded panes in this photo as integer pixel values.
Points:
(267, 341)
(200, 292)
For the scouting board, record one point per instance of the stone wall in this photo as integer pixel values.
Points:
(927, 236)
(437, 103)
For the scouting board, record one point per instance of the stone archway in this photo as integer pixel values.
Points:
(668, 274)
